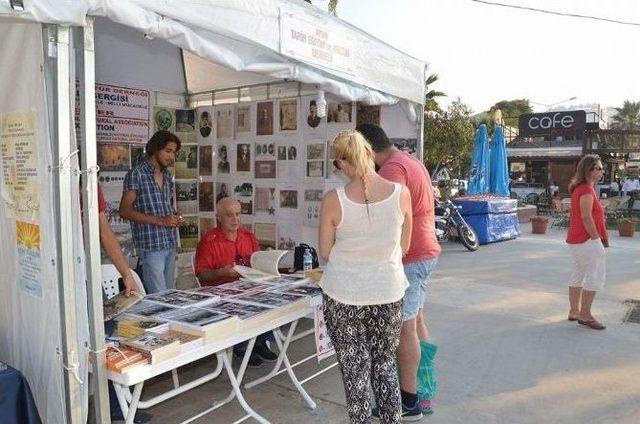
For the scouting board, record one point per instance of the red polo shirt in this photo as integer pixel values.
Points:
(216, 251)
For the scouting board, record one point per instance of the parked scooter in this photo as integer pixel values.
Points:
(450, 223)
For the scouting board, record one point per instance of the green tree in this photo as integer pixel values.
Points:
(449, 138)
(431, 96)
(511, 110)
(627, 117)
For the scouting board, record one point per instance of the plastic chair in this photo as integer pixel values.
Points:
(110, 277)
(193, 268)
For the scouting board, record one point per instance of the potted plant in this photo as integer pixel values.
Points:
(539, 224)
(626, 227)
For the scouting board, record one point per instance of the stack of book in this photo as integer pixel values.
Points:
(202, 322)
(155, 347)
(187, 341)
(122, 359)
(130, 326)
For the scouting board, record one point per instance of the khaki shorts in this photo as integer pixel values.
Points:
(588, 265)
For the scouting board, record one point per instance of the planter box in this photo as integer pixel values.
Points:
(526, 212)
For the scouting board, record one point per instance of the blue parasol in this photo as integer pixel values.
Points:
(479, 174)
(499, 181)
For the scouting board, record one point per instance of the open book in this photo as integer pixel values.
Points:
(118, 304)
(264, 265)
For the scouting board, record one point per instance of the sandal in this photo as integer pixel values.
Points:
(592, 323)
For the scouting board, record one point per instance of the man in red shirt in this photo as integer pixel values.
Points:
(218, 251)
(419, 262)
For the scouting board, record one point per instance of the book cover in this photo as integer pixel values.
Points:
(182, 299)
(149, 309)
(119, 304)
(131, 326)
(155, 347)
(122, 359)
(187, 341)
(243, 311)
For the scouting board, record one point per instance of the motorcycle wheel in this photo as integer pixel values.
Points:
(468, 237)
(442, 232)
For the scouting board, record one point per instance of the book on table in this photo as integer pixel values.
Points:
(119, 304)
(149, 309)
(264, 265)
(182, 299)
(130, 326)
(202, 322)
(236, 288)
(122, 359)
(243, 311)
(155, 347)
(187, 341)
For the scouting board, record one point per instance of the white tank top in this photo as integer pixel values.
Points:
(365, 263)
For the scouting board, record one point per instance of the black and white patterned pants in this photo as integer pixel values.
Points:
(366, 339)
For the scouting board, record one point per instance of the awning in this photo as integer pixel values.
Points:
(552, 152)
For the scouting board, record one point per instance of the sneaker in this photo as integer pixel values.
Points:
(263, 351)
(254, 360)
(426, 406)
(408, 415)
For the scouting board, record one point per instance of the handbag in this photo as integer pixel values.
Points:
(426, 376)
(298, 252)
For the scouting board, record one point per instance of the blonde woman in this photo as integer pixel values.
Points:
(365, 228)
(586, 237)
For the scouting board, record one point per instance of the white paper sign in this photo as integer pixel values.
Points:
(306, 39)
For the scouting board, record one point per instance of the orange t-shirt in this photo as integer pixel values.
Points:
(577, 232)
(405, 169)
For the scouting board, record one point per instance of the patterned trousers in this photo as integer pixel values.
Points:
(366, 339)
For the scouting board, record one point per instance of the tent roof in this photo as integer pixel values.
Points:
(243, 40)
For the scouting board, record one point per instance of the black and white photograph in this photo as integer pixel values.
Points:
(265, 151)
(223, 159)
(315, 169)
(222, 191)
(243, 157)
(187, 197)
(241, 310)
(292, 153)
(265, 200)
(265, 169)
(181, 299)
(288, 115)
(206, 197)
(366, 114)
(264, 118)
(205, 124)
(206, 161)
(339, 113)
(282, 152)
(289, 199)
(243, 120)
(244, 193)
(188, 232)
(138, 156)
(149, 309)
(313, 120)
(315, 151)
(186, 164)
(224, 122)
(185, 120)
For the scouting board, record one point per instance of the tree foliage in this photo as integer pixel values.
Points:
(627, 117)
(511, 110)
(431, 96)
(449, 138)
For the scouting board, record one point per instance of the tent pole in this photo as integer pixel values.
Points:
(66, 273)
(90, 223)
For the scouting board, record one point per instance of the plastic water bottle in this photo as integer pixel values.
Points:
(307, 260)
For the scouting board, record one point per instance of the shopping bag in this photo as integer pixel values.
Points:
(426, 376)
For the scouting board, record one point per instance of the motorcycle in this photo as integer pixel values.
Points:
(450, 223)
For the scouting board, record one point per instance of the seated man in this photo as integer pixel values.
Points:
(218, 251)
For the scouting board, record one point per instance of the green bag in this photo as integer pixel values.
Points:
(426, 376)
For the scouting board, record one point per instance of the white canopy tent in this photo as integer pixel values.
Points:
(225, 44)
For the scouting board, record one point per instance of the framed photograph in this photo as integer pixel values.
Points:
(206, 197)
(243, 119)
(205, 125)
(264, 118)
(292, 153)
(206, 161)
(313, 120)
(315, 151)
(315, 169)
(289, 199)
(243, 159)
(282, 152)
(185, 120)
(222, 191)
(186, 164)
(223, 159)
(288, 115)
(164, 119)
(339, 113)
(265, 169)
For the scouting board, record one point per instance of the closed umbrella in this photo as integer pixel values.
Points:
(499, 175)
(479, 174)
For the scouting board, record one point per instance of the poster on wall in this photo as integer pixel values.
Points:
(186, 125)
(244, 194)
(315, 159)
(189, 233)
(19, 156)
(122, 114)
(28, 260)
(187, 197)
(111, 183)
(224, 122)
(288, 115)
(205, 125)
(113, 157)
(243, 158)
(186, 164)
(264, 118)
(265, 201)
(206, 197)
(164, 118)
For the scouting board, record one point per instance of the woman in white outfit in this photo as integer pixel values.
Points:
(365, 228)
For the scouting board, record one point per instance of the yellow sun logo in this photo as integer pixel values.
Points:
(28, 235)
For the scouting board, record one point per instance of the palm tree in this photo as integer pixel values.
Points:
(628, 116)
(430, 102)
(331, 8)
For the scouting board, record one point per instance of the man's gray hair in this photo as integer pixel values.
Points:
(225, 200)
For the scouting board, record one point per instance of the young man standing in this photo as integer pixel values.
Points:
(419, 262)
(147, 203)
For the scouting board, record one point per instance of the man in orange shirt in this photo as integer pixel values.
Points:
(218, 251)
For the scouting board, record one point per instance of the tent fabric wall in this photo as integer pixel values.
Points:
(30, 324)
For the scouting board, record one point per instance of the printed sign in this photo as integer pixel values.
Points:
(28, 263)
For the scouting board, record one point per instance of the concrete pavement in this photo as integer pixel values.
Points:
(506, 354)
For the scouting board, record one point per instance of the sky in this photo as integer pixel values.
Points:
(484, 54)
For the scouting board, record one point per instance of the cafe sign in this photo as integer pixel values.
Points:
(567, 123)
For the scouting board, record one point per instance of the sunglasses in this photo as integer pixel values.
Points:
(336, 163)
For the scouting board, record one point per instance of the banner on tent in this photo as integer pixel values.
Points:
(28, 258)
(305, 39)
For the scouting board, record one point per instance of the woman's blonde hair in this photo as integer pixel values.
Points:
(351, 147)
(585, 166)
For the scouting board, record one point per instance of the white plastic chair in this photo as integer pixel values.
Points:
(193, 268)
(110, 277)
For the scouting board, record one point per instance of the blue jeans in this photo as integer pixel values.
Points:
(158, 269)
(418, 274)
